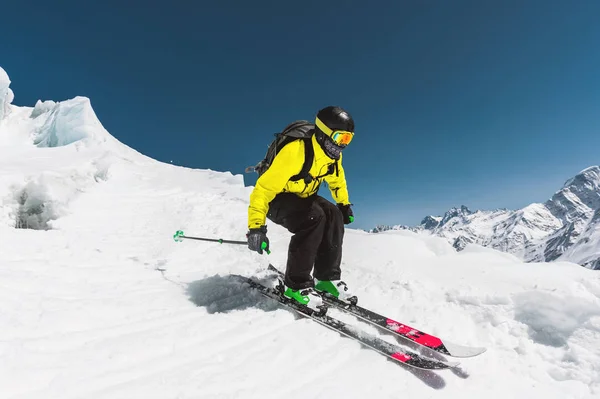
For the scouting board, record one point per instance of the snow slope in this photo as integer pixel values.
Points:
(99, 302)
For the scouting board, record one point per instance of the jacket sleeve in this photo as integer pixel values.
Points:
(337, 185)
(286, 164)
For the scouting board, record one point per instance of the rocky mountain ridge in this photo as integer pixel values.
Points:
(566, 227)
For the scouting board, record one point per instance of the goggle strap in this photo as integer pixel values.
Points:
(323, 127)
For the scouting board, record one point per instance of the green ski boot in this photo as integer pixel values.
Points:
(337, 289)
(306, 297)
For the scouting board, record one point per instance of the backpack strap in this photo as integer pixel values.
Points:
(309, 156)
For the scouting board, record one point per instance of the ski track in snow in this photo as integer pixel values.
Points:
(104, 304)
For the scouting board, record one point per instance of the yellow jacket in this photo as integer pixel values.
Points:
(288, 163)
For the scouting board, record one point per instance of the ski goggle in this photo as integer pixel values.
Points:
(342, 137)
(339, 137)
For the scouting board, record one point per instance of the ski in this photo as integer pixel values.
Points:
(401, 330)
(387, 349)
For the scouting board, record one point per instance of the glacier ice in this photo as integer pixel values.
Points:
(36, 207)
(6, 94)
(42, 107)
(68, 122)
(38, 184)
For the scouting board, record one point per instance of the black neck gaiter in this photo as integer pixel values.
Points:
(331, 149)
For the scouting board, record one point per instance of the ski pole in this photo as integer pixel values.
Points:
(179, 236)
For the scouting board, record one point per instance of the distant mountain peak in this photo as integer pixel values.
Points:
(587, 178)
(431, 222)
(566, 227)
(578, 198)
(463, 209)
(461, 212)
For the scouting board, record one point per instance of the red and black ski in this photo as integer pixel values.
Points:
(401, 330)
(391, 351)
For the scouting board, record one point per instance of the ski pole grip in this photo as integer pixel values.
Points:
(264, 248)
(178, 237)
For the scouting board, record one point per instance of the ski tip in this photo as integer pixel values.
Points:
(446, 365)
(440, 365)
(455, 350)
(424, 363)
(452, 365)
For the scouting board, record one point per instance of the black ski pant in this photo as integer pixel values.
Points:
(318, 228)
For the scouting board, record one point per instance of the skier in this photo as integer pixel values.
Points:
(317, 224)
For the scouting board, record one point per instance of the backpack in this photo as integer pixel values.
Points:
(299, 130)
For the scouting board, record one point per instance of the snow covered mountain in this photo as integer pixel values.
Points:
(97, 300)
(566, 227)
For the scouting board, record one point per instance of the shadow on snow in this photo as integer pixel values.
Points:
(222, 294)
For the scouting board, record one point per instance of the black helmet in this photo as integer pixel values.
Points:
(335, 118)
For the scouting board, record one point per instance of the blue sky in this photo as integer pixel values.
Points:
(488, 104)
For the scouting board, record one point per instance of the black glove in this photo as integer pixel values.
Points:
(347, 213)
(257, 240)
